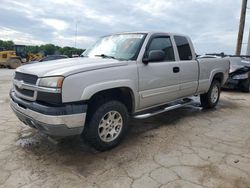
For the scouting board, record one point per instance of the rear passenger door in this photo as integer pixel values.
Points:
(158, 82)
(189, 68)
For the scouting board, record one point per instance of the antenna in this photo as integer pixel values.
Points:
(76, 35)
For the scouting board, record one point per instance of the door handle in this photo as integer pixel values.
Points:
(176, 69)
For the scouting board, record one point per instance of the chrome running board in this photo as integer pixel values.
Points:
(171, 106)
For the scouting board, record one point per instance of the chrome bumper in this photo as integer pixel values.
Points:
(54, 125)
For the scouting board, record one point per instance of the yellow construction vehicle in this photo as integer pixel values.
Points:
(15, 58)
(9, 59)
(33, 57)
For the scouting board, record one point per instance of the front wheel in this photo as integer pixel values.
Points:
(211, 98)
(14, 63)
(107, 125)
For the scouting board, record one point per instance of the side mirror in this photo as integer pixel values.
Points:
(154, 56)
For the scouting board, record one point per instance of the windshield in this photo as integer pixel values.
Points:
(120, 46)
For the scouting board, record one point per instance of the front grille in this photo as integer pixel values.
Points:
(26, 92)
(27, 78)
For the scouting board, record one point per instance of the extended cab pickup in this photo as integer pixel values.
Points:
(124, 75)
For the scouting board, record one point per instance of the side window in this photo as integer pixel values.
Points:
(164, 44)
(183, 47)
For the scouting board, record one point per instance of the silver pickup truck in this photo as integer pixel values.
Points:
(136, 74)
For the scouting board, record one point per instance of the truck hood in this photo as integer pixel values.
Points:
(68, 66)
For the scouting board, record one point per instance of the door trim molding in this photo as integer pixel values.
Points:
(159, 91)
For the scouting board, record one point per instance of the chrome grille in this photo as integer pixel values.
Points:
(26, 86)
(22, 92)
(27, 78)
(26, 92)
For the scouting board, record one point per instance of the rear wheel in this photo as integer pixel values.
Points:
(211, 98)
(245, 85)
(107, 125)
(14, 63)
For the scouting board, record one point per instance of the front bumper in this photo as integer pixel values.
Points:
(233, 83)
(65, 120)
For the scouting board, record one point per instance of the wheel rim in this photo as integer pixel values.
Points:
(14, 64)
(110, 126)
(214, 94)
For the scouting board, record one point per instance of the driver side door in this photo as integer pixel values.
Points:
(159, 82)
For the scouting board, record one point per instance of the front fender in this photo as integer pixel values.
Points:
(90, 90)
(82, 86)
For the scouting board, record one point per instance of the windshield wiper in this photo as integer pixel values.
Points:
(105, 56)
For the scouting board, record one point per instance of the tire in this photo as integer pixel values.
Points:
(245, 85)
(211, 98)
(107, 125)
(14, 63)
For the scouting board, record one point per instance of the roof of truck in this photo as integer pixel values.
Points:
(148, 32)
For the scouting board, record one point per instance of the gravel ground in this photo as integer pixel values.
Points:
(188, 147)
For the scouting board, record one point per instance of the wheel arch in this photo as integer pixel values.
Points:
(123, 94)
(217, 75)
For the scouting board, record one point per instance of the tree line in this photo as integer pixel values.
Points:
(45, 49)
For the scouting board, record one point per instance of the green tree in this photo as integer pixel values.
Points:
(33, 49)
(46, 49)
(69, 51)
(7, 45)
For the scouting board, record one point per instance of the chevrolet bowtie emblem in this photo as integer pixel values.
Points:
(19, 84)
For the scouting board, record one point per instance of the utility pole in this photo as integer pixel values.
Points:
(241, 27)
(248, 45)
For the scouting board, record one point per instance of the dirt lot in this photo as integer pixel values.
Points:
(188, 147)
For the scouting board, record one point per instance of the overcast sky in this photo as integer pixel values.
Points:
(212, 24)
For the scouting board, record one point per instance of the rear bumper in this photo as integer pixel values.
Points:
(65, 120)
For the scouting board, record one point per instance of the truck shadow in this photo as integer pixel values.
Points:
(78, 157)
(233, 90)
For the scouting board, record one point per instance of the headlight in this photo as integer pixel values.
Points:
(240, 76)
(54, 82)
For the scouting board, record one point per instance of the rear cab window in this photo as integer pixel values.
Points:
(183, 48)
